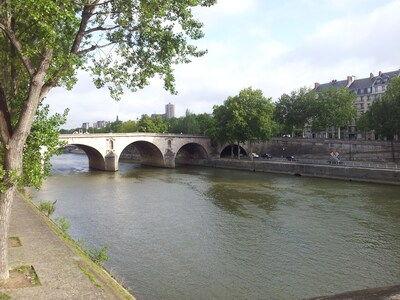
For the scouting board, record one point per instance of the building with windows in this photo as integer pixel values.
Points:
(367, 90)
(101, 124)
(169, 111)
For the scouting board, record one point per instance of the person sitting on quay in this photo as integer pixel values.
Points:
(334, 157)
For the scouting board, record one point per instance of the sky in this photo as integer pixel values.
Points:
(274, 46)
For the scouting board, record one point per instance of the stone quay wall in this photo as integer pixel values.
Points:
(341, 172)
(378, 151)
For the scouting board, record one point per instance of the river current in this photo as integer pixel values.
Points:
(202, 233)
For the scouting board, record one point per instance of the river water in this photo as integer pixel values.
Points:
(199, 233)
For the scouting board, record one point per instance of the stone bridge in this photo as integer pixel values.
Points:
(161, 150)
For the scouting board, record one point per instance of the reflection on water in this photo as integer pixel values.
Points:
(196, 233)
(238, 198)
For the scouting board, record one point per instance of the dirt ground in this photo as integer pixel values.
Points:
(21, 277)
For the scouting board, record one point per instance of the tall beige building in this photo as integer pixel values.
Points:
(169, 111)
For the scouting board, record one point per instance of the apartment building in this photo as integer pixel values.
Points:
(367, 90)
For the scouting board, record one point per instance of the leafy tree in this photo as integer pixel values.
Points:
(363, 123)
(392, 100)
(174, 125)
(191, 125)
(293, 112)
(205, 121)
(222, 130)
(161, 126)
(146, 124)
(247, 117)
(122, 43)
(383, 114)
(129, 126)
(334, 107)
(116, 125)
(188, 124)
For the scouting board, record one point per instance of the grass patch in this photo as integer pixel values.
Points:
(90, 276)
(14, 241)
(4, 296)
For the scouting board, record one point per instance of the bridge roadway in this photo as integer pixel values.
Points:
(161, 150)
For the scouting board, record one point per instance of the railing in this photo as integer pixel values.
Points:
(361, 164)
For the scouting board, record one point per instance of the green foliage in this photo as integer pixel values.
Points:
(99, 256)
(149, 37)
(42, 143)
(90, 276)
(383, 115)
(47, 207)
(329, 107)
(146, 124)
(129, 126)
(116, 126)
(333, 107)
(247, 117)
(4, 296)
(63, 223)
(293, 112)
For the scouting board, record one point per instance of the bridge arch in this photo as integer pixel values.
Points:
(150, 154)
(191, 153)
(96, 159)
(226, 150)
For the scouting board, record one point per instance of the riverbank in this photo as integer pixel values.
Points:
(62, 269)
(340, 172)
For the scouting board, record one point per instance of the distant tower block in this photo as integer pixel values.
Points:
(169, 111)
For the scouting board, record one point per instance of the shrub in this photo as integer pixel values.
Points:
(63, 223)
(47, 207)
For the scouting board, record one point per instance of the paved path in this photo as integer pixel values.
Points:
(55, 263)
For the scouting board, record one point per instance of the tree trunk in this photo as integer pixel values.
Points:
(6, 200)
(13, 166)
(13, 161)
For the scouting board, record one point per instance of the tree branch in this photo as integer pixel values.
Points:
(101, 28)
(32, 101)
(92, 48)
(5, 118)
(10, 34)
(87, 13)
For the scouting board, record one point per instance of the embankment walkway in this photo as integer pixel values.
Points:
(57, 265)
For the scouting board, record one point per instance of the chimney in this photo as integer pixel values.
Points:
(316, 85)
(371, 75)
(380, 73)
(349, 80)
